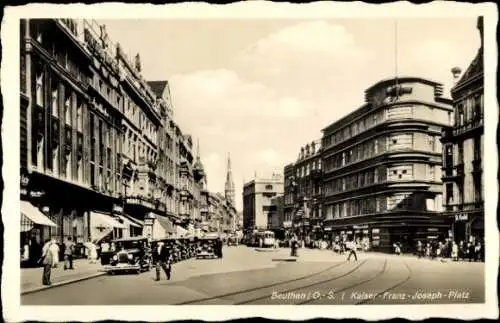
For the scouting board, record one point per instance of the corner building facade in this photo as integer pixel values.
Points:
(382, 166)
(463, 147)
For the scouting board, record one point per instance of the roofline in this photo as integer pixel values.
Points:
(404, 79)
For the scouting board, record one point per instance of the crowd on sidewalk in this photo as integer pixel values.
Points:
(472, 250)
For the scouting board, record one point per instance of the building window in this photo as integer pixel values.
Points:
(460, 153)
(55, 99)
(449, 193)
(79, 117)
(67, 110)
(55, 161)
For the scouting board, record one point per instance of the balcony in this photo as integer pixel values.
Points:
(446, 134)
(454, 173)
(473, 124)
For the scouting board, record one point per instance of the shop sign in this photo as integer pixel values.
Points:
(36, 193)
(328, 229)
(461, 217)
(360, 226)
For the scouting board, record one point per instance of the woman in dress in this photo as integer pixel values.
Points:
(454, 251)
(92, 252)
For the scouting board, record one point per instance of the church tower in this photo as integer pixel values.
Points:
(229, 187)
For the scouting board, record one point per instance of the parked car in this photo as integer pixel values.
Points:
(206, 248)
(131, 255)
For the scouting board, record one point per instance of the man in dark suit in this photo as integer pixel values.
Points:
(161, 257)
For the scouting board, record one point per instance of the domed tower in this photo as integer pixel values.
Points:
(229, 186)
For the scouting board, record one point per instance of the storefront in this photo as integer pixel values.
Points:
(467, 225)
(105, 226)
(32, 237)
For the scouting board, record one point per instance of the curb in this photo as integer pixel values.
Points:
(62, 283)
(266, 250)
(285, 259)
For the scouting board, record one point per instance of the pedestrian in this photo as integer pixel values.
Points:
(69, 247)
(54, 248)
(351, 246)
(47, 261)
(220, 248)
(419, 249)
(397, 248)
(92, 252)
(454, 251)
(162, 260)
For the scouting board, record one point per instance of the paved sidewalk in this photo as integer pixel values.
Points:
(31, 278)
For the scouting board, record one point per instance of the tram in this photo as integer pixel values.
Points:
(263, 239)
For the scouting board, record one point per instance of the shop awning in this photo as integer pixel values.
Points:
(180, 230)
(127, 222)
(166, 224)
(105, 221)
(33, 214)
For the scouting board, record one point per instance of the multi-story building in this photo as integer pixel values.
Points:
(382, 165)
(463, 152)
(70, 133)
(304, 189)
(289, 198)
(257, 197)
(100, 153)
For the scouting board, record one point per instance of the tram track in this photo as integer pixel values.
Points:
(253, 289)
(291, 290)
(384, 269)
(390, 288)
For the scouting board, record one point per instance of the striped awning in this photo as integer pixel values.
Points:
(33, 214)
(127, 222)
(101, 220)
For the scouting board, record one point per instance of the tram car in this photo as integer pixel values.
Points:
(263, 239)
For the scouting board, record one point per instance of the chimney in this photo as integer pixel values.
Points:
(480, 27)
(456, 72)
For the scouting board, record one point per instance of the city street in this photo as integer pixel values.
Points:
(248, 276)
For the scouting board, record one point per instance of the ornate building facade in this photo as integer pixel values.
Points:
(303, 195)
(463, 152)
(101, 155)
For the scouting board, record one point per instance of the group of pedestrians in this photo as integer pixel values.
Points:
(50, 256)
(473, 250)
(343, 246)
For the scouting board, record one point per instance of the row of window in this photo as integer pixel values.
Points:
(307, 168)
(354, 128)
(373, 147)
(469, 109)
(39, 31)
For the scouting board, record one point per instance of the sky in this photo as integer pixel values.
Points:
(261, 89)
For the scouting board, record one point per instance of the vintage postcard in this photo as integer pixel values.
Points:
(255, 153)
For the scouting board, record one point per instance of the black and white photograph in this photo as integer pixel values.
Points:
(250, 154)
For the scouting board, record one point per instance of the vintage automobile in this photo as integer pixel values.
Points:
(232, 241)
(131, 255)
(206, 248)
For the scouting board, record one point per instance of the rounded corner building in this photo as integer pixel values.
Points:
(382, 166)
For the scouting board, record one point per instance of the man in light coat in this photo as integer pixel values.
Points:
(48, 262)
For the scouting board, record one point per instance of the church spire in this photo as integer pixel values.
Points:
(229, 186)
